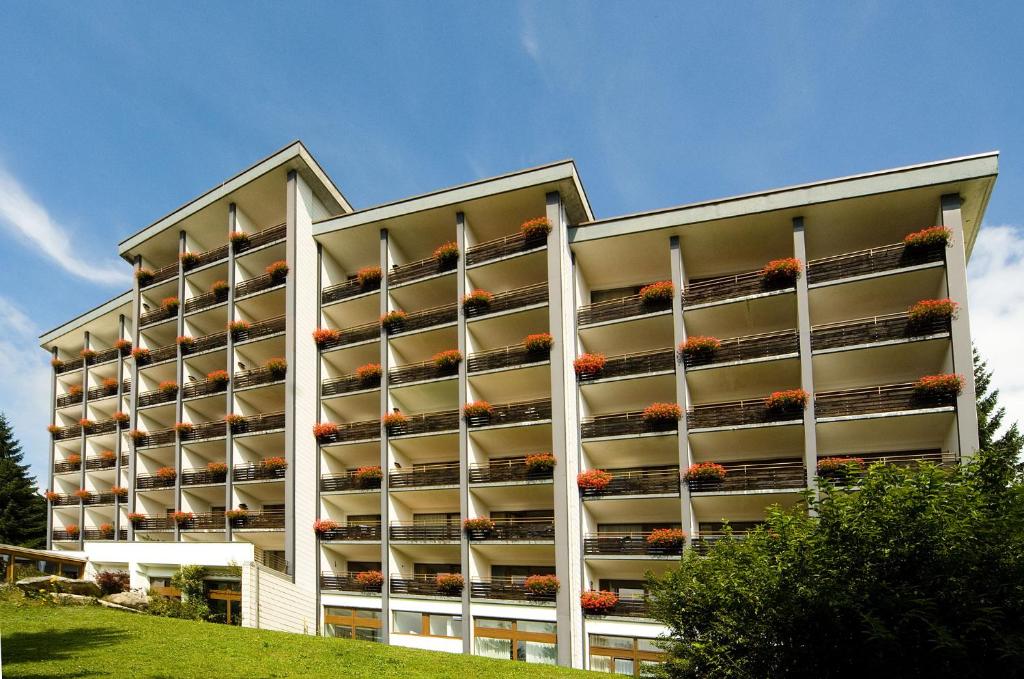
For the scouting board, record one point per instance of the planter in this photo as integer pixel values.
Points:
(662, 413)
(479, 528)
(593, 480)
(666, 540)
(238, 518)
(124, 346)
(700, 347)
(541, 464)
(539, 343)
(588, 365)
(930, 310)
(324, 336)
(182, 519)
(840, 468)
(781, 273)
(140, 355)
(371, 581)
(323, 526)
(369, 477)
(477, 412)
(933, 236)
(449, 584)
(219, 288)
(188, 259)
(275, 464)
(168, 387)
(447, 360)
(144, 276)
(788, 400)
(477, 299)
(218, 378)
(392, 321)
(185, 343)
(324, 430)
(169, 304)
(393, 422)
(369, 374)
(236, 328)
(657, 293)
(542, 585)
(234, 421)
(536, 228)
(946, 386)
(238, 239)
(277, 367)
(446, 255)
(369, 277)
(598, 602)
(278, 271)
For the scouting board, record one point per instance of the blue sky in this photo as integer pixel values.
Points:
(114, 113)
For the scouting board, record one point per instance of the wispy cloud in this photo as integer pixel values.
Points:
(997, 310)
(31, 222)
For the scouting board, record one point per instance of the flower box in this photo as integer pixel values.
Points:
(140, 355)
(188, 259)
(168, 387)
(119, 491)
(144, 276)
(392, 421)
(324, 430)
(136, 518)
(219, 288)
(183, 428)
(540, 463)
(481, 526)
(662, 413)
(86, 424)
(277, 271)
(539, 342)
(593, 479)
(477, 410)
(369, 277)
(52, 428)
(217, 468)
(234, 421)
(218, 378)
(538, 227)
(542, 585)
(446, 254)
(87, 354)
(840, 467)
(166, 473)
(369, 373)
(237, 517)
(666, 539)
(72, 529)
(236, 328)
(448, 360)
(369, 477)
(928, 310)
(123, 345)
(185, 343)
(449, 584)
(169, 304)
(781, 273)
(323, 526)
(392, 320)
(787, 400)
(107, 456)
(51, 496)
(324, 336)
(274, 463)
(700, 346)
(588, 365)
(660, 292)
(56, 363)
(182, 519)
(137, 435)
(238, 239)
(277, 367)
(74, 459)
(598, 602)
(75, 390)
(946, 386)
(106, 529)
(933, 236)
(370, 580)
(109, 386)
(708, 472)
(477, 299)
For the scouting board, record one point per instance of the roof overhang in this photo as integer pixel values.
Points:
(108, 307)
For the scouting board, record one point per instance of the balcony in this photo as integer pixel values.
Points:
(421, 320)
(427, 423)
(357, 531)
(208, 257)
(203, 521)
(354, 335)
(66, 400)
(97, 534)
(202, 388)
(256, 377)
(348, 384)
(425, 532)
(508, 357)
(68, 366)
(258, 284)
(105, 427)
(269, 519)
(257, 472)
(506, 246)
(159, 355)
(516, 530)
(205, 300)
(66, 467)
(639, 481)
(513, 413)
(200, 476)
(255, 424)
(350, 288)
(345, 582)
(104, 356)
(874, 260)
(146, 523)
(620, 309)
(626, 365)
(164, 273)
(706, 540)
(353, 431)
(624, 424)
(414, 271)
(749, 412)
(512, 299)
(164, 437)
(69, 432)
(507, 471)
(722, 288)
(888, 328)
(425, 475)
(153, 482)
(106, 498)
(65, 500)
(419, 372)
(104, 391)
(426, 585)
(94, 463)
(629, 607)
(505, 589)
(155, 397)
(349, 481)
(626, 544)
(754, 476)
(158, 315)
(271, 326)
(747, 348)
(889, 398)
(65, 536)
(260, 238)
(203, 430)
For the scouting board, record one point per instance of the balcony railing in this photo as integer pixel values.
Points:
(153, 523)
(153, 481)
(160, 354)
(513, 413)
(507, 357)
(347, 384)
(618, 309)
(888, 328)
(97, 534)
(445, 474)
(739, 413)
(163, 437)
(887, 398)
(65, 500)
(65, 536)
(258, 423)
(517, 529)
(260, 238)
(506, 246)
(722, 288)
(634, 364)
(873, 260)
(92, 463)
(354, 335)
(155, 397)
(208, 257)
(425, 532)
(105, 498)
(512, 299)
(157, 315)
(101, 391)
(104, 356)
(205, 300)
(266, 519)
(741, 476)
(256, 472)
(354, 531)
(419, 585)
(354, 431)
(164, 273)
(506, 589)
(427, 423)
(65, 467)
(345, 582)
(271, 326)
(69, 432)
(68, 366)
(626, 544)
(621, 424)
(203, 388)
(407, 273)
(642, 481)
(348, 481)
(503, 471)
(748, 348)
(258, 284)
(204, 521)
(66, 400)
(195, 477)
(204, 430)
(418, 372)
(630, 607)
(256, 377)
(703, 542)
(428, 318)
(349, 288)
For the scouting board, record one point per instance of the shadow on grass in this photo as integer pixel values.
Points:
(20, 649)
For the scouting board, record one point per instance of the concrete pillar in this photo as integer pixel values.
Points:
(229, 355)
(52, 451)
(134, 396)
(290, 337)
(463, 346)
(803, 322)
(385, 407)
(179, 371)
(83, 448)
(119, 434)
(678, 337)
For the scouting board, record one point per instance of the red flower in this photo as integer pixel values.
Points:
(598, 602)
(370, 579)
(238, 238)
(51, 496)
(140, 354)
(169, 304)
(540, 462)
(705, 471)
(323, 430)
(71, 529)
(836, 465)
(781, 272)
(323, 526)
(369, 473)
(74, 458)
(277, 367)
(218, 377)
(945, 386)
(370, 372)
(449, 583)
(447, 360)
(447, 254)
(168, 387)
(477, 299)
(393, 319)
(699, 345)
(787, 399)
(136, 517)
(663, 412)
(108, 455)
(86, 423)
(216, 467)
(75, 390)
(274, 463)
(181, 518)
(119, 491)
(277, 270)
(123, 345)
(669, 538)
(219, 287)
(188, 259)
(536, 227)
(477, 409)
(368, 276)
(87, 354)
(236, 327)
(541, 341)
(544, 585)
(933, 235)
(185, 342)
(480, 523)
(166, 472)
(83, 494)
(588, 365)
(323, 336)
(933, 310)
(183, 428)
(233, 419)
(593, 479)
(393, 419)
(144, 276)
(656, 293)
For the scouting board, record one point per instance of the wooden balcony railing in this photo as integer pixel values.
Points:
(152, 482)
(443, 474)
(634, 364)
(428, 318)
(204, 430)
(506, 246)
(353, 531)
(65, 467)
(256, 377)
(195, 477)
(722, 288)
(162, 437)
(747, 348)
(754, 476)
(69, 432)
(427, 423)
(271, 326)
(638, 481)
(92, 463)
(630, 607)
(157, 315)
(207, 343)
(347, 384)
(65, 400)
(413, 271)
(737, 413)
(887, 398)
(354, 335)
(418, 372)
(258, 284)
(105, 427)
(161, 354)
(349, 288)
(891, 327)
(345, 581)
(506, 589)
(104, 356)
(516, 530)
(618, 309)
(68, 366)
(425, 532)
(65, 500)
(354, 431)
(626, 544)
(621, 424)
(256, 472)
(155, 397)
(419, 585)
(259, 423)
(514, 413)
(264, 237)
(266, 519)
(204, 521)
(204, 388)
(164, 273)
(510, 470)
(872, 260)
(512, 299)
(153, 523)
(101, 391)
(208, 257)
(703, 542)
(348, 481)
(507, 357)
(65, 536)
(104, 498)
(97, 534)
(205, 300)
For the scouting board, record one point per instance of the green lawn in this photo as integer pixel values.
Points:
(72, 641)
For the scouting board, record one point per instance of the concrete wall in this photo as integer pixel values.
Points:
(270, 600)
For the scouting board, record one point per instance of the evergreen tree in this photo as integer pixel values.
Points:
(991, 414)
(22, 508)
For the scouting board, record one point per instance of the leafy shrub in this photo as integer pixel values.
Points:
(113, 582)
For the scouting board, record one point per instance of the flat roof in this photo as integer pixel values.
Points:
(40, 553)
(87, 317)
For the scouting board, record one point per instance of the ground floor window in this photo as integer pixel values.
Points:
(428, 624)
(352, 623)
(631, 656)
(225, 601)
(527, 640)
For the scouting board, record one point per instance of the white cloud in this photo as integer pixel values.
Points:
(528, 33)
(30, 220)
(996, 306)
(25, 376)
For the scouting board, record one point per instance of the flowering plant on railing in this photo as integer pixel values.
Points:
(323, 336)
(274, 463)
(705, 471)
(238, 238)
(324, 430)
(219, 288)
(666, 538)
(324, 526)
(368, 476)
(539, 342)
(393, 420)
(588, 365)
(447, 360)
(277, 271)
(183, 428)
(123, 346)
(657, 293)
(75, 390)
(662, 413)
(940, 386)
(71, 529)
(536, 227)
(109, 385)
(781, 273)
(188, 259)
(234, 420)
(369, 373)
(447, 254)
(218, 378)
(237, 516)
(136, 518)
(119, 491)
(700, 346)
(74, 459)
(480, 524)
(449, 583)
(932, 236)
(593, 479)
(598, 601)
(787, 399)
(542, 585)
(477, 299)
(166, 473)
(370, 579)
(832, 467)
(477, 409)
(182, 518)
(369, 276)
(52, 428)
(51, 496)
(217, 467)
(168, 387)
(86, 424)
(107, 455)
(185, 342)
(928, 310)
(392, 320)
(277, 367)
(87, 354)
(236, 328)
(137, 435)
(56, 363)
(83, 494)
(106, 529)
(140, 355)
(169, 304)
(540, 462)
(144, 276)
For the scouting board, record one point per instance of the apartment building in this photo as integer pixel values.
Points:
(475, 420)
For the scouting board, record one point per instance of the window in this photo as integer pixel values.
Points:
(427, 571)
(526, 640)
(352, 623)
(427, 624)
(623, 655)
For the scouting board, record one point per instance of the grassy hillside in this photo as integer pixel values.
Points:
(58, 641)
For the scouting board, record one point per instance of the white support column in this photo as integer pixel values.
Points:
(84, 448)
(803, 320)
(463, 397)
(118, 434)
(52, 449)
(179, 368)
(678, 337)
(229, 355)
(385, 407)
(134, 396)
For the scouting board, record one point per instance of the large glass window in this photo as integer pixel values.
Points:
(427, 624)
(526, 640)
(352, 623)
(629, 656)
